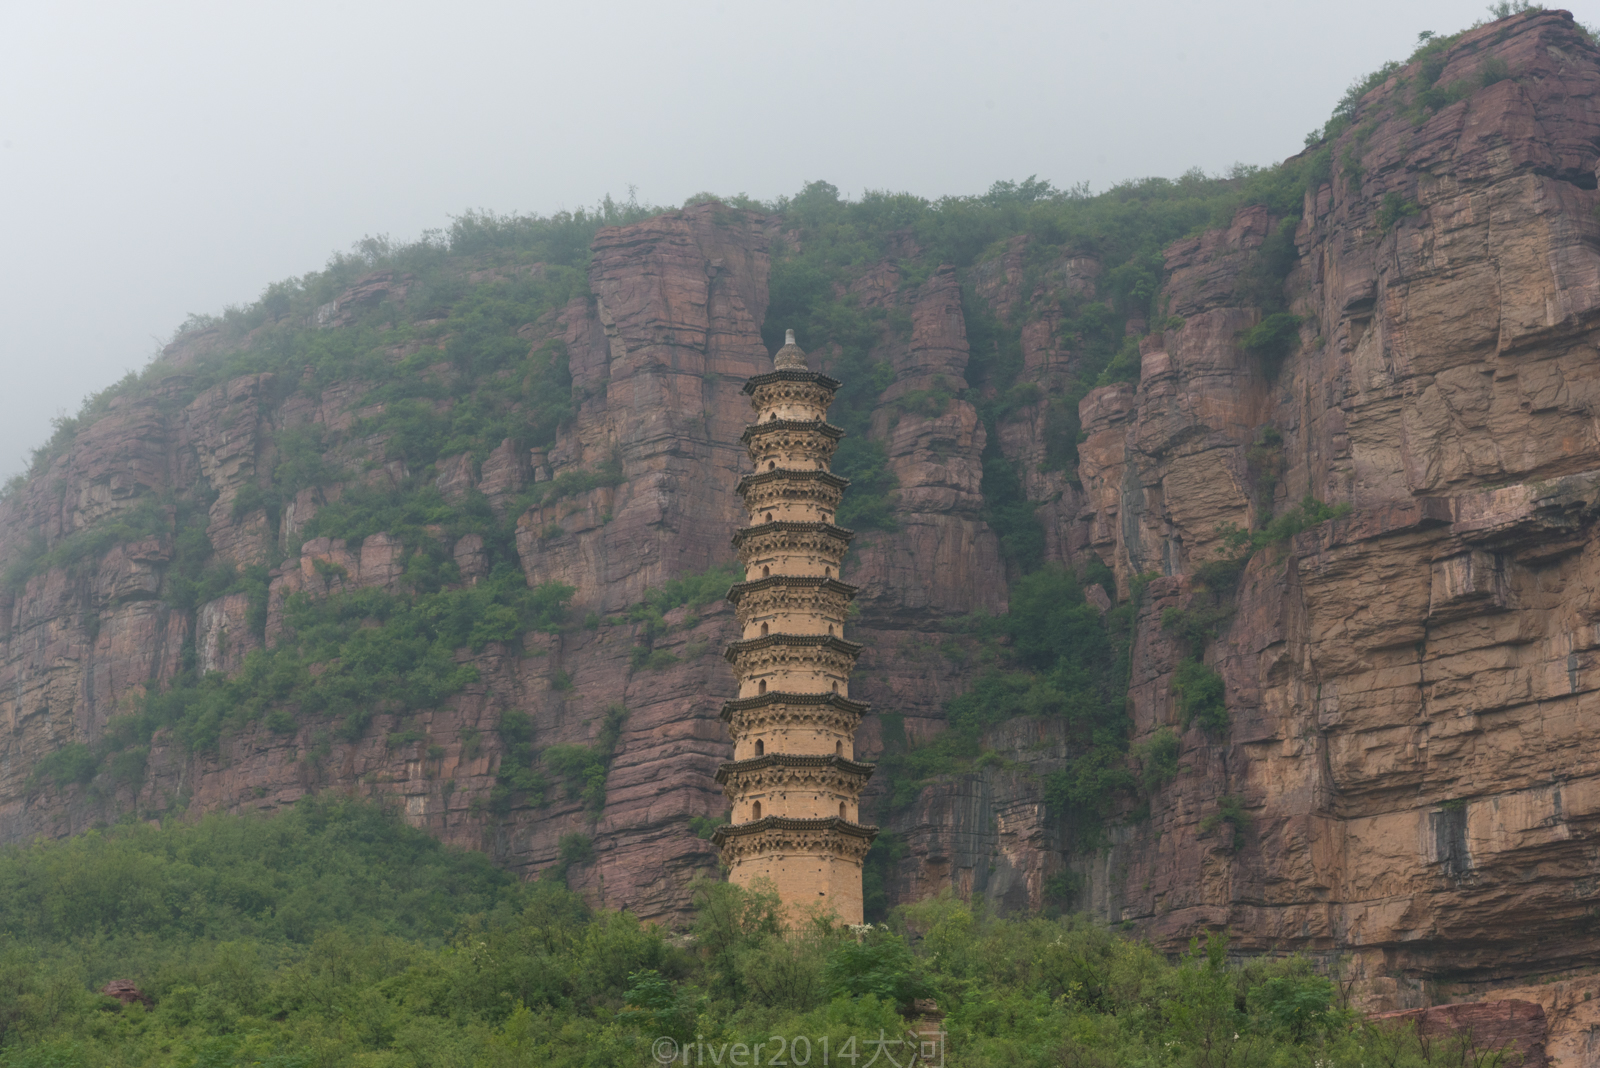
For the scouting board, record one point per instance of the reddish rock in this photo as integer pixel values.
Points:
(125, 991)
(1412, 686)
(457, 477)
(1514, 1029)
(505, 472)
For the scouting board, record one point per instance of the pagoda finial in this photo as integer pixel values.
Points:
(791, 357)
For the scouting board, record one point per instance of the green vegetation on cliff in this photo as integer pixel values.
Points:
(345, 658)
(334, 935)
(1052, 656)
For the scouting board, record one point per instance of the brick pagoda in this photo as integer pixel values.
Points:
(794, 784)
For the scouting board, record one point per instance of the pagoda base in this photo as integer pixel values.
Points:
(809, 862)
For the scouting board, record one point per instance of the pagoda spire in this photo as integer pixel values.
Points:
(794, 783)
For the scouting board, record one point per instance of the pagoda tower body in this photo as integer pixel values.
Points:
(794, 784)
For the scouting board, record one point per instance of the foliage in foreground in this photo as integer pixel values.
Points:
(336, 935)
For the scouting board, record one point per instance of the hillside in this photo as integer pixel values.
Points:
(337, 936)
(1225, 544)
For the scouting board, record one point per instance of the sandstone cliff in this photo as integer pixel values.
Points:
(1410, 685)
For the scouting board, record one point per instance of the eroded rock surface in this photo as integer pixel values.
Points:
(1411, 686)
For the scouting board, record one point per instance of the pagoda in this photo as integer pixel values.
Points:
(794, 783)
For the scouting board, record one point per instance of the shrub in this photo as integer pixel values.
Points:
(1064, 662)
(375, 651)
(1200, 696)
(1009, 512)
(879, 965)
(1272, 340)
(1394, 208)
(1230, 810)
(658, 1006)
(515, 774)
(1063, 888)
(1308, 513)
(84, 548)
(1195, 625)
(703, 827)
(1158, 760)
(584, 767)
(927, 403)
(575, 847)
(74, 762)
(1262, 281)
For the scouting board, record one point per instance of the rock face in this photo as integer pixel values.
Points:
(1409, 685)
(657, 356)
(1406, 777)
(1514, 1028)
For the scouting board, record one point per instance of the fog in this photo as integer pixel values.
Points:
(163, 159)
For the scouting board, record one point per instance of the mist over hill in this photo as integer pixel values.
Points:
(1224, 547)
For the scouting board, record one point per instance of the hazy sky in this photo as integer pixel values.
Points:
(163, 158)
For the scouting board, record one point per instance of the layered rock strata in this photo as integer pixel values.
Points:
(1405, 778)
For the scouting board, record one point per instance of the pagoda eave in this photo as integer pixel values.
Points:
(789, 823)
(794, 526)
(774, 697)
(803, 641)
(791, 375)
(792, 760)
(833, 585)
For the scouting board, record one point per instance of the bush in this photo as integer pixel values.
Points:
(1158, 760)
(1009, 512)
(1308, 513)
(515, 774)
(74, 762)
(1272, 340)
(1196, 625)
(1200, 696)
(1230, 811)
(1394, 208)
(703, 827)
(584, 767)
(879, 965)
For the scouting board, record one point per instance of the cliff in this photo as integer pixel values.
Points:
(1401, 774)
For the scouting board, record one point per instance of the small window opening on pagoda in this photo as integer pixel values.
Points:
(772, 465)
(755, 811)
(766, 572)
(838, 749)
(763, 630)
(761, 687)
(841, 810)
(836, 687)
(761, 747)
(769, 517)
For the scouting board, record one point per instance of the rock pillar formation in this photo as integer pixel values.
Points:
(793, 783)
